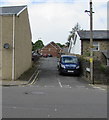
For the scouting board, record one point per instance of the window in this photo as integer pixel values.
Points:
(96, 46)
(69, 60)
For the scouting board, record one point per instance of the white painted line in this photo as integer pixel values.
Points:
(67, 86)
(34, 78)
(80, 86)
(97, 87)
(102, 89)
(60, 84)
(55, 109)
(49, 86)
(14, 107)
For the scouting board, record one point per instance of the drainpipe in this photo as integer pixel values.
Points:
(13, 50)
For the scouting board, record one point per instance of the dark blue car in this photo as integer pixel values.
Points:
(69, 65)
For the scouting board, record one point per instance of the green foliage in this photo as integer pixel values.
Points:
(87, 54)
(67, 44)
(38, 45)
(104, 69)
(74, 29)
(61, 45)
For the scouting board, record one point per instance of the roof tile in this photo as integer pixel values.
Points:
(97, 34)
(10, 10)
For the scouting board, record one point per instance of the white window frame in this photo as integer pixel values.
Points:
(97, 45)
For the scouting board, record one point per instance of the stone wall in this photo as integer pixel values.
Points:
(100, 75)
(103, 45)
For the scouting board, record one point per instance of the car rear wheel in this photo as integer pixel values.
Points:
(60, 73)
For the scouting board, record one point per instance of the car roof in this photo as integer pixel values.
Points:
(68, 56)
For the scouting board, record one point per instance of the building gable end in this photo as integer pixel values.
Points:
(49, 44)
(21, 11)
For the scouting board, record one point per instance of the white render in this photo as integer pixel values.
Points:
(75, 45)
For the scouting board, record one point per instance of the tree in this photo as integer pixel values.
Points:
(61, 45)
(67, 44)
(38, 45)
(74, 29)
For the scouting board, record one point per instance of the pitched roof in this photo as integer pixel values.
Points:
(12, 10)
(53, 44)
(97, 34)
(57, 46)
(48, 45)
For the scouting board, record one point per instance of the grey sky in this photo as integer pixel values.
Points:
(52, 20)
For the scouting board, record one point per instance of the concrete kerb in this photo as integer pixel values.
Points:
(32, 79)
(100, 86)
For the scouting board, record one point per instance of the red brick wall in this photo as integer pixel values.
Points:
(49, 49)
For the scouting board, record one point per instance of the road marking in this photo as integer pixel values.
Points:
(99, 88)
(35, 78)
(59, 83)
(67, 86)
(102, 89)
(14, 107)
(95, 87)
(78, 86)
(55, 109)
(49, 86)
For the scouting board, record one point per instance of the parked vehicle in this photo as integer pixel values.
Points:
(49, 55)
(68, 64)
(35, 56)
(45, 55)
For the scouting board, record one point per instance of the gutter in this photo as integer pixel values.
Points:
(13, 51)
(21, 11)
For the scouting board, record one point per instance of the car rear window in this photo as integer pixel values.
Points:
(69, 60)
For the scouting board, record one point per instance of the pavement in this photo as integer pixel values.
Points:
(20, 82)
(13, 83)
(32, 79)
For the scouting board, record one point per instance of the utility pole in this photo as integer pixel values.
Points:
(91, 42)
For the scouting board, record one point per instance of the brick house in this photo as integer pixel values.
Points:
(15, 42)
(51, 48)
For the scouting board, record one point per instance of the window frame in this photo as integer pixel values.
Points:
(96, 46)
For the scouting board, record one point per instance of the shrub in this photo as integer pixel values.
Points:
(104, 68)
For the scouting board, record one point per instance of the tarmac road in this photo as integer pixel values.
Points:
(54, 96)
